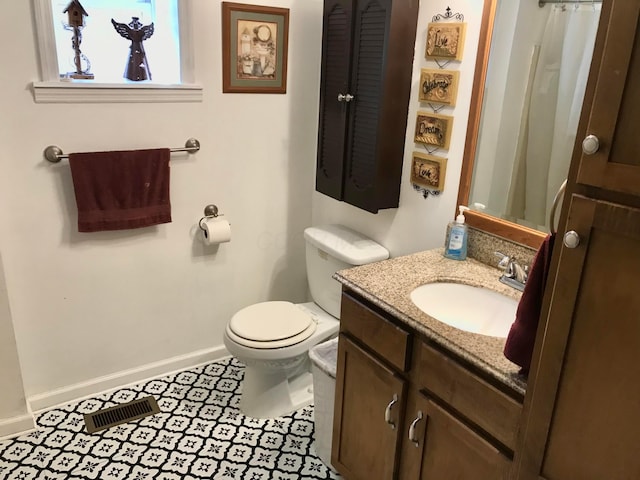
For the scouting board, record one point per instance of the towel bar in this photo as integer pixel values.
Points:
(54, 153)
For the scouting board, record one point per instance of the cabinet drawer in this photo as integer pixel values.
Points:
(489, 408)
(384, 337)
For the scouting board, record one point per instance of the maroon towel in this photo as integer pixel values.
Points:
(121, 190)
(522, 336)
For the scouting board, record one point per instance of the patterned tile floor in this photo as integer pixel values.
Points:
(200, 434)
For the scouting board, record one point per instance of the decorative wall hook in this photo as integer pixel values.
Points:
(425, 192)
(448, 15)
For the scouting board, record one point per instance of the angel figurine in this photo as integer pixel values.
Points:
(137, 67)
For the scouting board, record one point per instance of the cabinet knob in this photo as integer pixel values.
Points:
(387, 412)
(571, 239)
(590, 145)
(412, 429)
(345, 98)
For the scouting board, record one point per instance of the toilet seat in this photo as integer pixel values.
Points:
(270, 325)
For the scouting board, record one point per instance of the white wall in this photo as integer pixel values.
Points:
(14, 413)
(87, 306)
(418, 223)
(90, 305)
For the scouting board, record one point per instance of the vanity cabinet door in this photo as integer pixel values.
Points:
(585, 404)
(438, 445)
(368, 414)
(368, 48)
(613, 115)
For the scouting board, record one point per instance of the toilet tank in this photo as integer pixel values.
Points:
(330, 248)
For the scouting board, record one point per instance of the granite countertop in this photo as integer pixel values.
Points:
(389, 283)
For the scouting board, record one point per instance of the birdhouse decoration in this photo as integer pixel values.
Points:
(137, 68)
(75, 22)
(75, 13)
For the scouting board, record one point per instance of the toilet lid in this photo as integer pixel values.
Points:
(271, 325)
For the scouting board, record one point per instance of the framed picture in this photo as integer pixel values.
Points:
(254, 48)
(439, 86)
(428, 171)
(433, 129)
(445, 41)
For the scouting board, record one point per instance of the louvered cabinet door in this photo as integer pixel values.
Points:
(367, 58)
(383, 45)
(334, 87)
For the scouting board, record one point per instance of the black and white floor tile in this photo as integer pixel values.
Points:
(200, 434)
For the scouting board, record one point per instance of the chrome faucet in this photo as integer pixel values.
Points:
(514, 274)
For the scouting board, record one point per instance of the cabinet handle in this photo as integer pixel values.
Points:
(345, 98)
(590, 145)
(387, 412)
(571, 239)
(412, 429)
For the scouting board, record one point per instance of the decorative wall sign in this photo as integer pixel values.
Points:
(433, 129)
(428, 171)
(439, 86)
(254, 48)
(445, 41)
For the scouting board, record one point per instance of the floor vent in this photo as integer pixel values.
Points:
(126, 412)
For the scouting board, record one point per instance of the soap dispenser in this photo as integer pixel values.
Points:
(455, 246)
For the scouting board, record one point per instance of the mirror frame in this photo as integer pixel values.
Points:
(481, 221)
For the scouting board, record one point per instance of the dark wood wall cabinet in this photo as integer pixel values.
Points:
(406, 409)
(367, 60)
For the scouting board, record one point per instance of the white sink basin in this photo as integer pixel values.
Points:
(472, 309)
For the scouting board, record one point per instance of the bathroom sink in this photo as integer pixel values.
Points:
(472, 309)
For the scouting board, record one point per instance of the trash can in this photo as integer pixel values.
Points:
(324, 358)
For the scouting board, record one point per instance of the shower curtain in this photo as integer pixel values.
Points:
(551, 114)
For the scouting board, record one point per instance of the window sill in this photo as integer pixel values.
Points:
(76, 92)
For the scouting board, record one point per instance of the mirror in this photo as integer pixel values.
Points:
(531, 73)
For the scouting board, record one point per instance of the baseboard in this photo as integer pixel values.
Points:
(16, 426)
(79, 391)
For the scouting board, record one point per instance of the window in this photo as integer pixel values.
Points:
(105, 54)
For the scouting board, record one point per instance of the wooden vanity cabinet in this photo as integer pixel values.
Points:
(405, 409)
(365, 85)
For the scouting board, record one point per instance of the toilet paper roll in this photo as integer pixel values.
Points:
(215, 230)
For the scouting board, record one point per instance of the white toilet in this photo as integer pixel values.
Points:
(273, 338)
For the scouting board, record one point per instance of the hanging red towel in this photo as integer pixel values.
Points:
(522, 336)
(122, 189)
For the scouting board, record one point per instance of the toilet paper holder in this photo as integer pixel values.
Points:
(210, 211)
